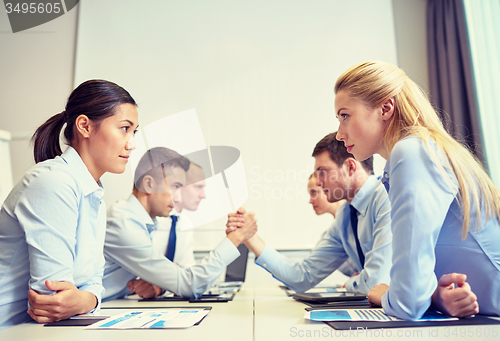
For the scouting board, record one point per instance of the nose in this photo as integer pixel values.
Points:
(202, 194)
(131, 143)
(177, 197)
(340, 134)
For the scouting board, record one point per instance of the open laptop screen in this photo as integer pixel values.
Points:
(236, 271)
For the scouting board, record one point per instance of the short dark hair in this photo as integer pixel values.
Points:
(156, 161)
(338, 152)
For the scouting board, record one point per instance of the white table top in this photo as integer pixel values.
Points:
(258, 312)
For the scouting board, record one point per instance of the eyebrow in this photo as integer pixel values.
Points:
(130, 122)
(338, 112)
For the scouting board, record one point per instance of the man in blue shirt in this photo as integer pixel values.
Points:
(321, 205)
(341, 177)
(128, 246)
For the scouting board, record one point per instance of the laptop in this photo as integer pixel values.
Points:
(221, 291)
(235, 274)
(236, 271)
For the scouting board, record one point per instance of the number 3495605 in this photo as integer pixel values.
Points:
(33, 7)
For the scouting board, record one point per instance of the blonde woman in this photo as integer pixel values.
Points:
(445, 209)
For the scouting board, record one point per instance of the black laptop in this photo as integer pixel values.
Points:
(222, 291)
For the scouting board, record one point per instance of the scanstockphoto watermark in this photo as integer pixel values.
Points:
(277, 184)
(24, 15)
(328, 332)
(471, 332)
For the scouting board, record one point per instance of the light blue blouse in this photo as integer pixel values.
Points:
(427, 231)
(130, 253)
(52, 227)
(338, 243)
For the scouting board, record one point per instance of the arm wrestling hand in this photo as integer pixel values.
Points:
(245, 232)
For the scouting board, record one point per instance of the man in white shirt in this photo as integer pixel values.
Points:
(128, 246)
(191, 195)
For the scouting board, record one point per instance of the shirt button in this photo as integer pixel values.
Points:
(386, 175)
(363, 212)
(264, 265)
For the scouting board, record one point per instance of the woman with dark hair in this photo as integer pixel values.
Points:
(53, 223)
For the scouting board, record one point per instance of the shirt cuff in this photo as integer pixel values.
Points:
(227, 251)
(352, 284)
(385, 303)
(97, 291)
(267, 258)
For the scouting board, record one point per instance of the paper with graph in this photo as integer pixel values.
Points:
(153, 319)
(376, 315)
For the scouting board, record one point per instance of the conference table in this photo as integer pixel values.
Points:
(258, 312)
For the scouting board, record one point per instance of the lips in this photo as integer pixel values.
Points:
(349, 148)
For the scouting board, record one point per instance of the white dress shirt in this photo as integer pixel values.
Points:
(183, 256)
(130, 253)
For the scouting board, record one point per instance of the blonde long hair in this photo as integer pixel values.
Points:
(374, 83)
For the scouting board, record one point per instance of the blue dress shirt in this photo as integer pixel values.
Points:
(427, 230)
(338, 244)
(130, 253)
(52, 227)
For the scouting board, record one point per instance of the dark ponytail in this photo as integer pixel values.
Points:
(96, 99)
(46, 145)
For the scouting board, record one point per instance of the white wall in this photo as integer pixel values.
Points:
(5, 165)
(260, 75)
(37, 76)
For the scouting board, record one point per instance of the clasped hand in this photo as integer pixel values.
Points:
(241, 223)
(66, 302)
(144, 289)
(453, 296)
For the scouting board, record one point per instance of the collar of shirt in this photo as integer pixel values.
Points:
(178, 214)
(85, 179)
(142, 214)
(362, 199)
